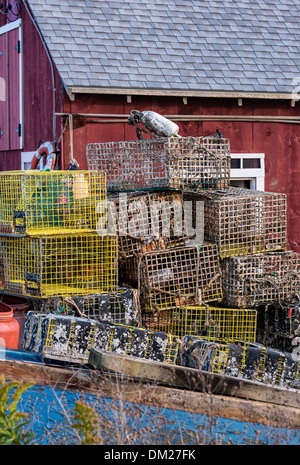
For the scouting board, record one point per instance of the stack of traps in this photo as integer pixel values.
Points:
(242, 360)
(71, 339)
(48, 240)
(168, 163)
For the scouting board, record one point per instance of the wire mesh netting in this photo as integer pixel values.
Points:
(213, 323)
(244, 360)
(120, 306)
(47, 266)
(55, 202)
(174, 163)
(244, 221)
(179, 276)
(258, 279)
(278, 325)
(147, 221)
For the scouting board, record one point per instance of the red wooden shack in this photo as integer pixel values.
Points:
(206, 65)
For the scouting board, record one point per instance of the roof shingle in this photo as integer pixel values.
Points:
(227, 45)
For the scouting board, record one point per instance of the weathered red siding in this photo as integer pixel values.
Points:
(37, 95)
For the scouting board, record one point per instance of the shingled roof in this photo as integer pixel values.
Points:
(242, 46)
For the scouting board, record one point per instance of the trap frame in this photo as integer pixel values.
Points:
(71, 338)
(164, 163)
(278, 325)
(243, 360)
(244, 221)
(258, 279)
(213, 323)
(120, 306)
(179, 276)
(39, 202)
(146, 221)
(49, 266)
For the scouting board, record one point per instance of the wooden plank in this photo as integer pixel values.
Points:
(129, 390)
(175, 93)
(192, 379)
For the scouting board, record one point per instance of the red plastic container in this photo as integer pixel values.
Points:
(20, 306)
(9, 328)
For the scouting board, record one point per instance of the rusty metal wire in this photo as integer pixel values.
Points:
(188, 162)
(244, 221)
(258, 279)
(179, 276)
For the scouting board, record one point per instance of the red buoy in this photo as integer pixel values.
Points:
(9, 328)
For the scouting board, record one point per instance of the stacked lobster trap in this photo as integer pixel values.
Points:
(50, 251)
(152, 206)
(257, 271)
(49, 244)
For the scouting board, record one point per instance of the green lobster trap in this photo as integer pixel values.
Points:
(244, 221)
(49, 266)
(56, 202)
(259, 279)
(167, 163)
(213, 323)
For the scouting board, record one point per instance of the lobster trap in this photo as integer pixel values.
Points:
(180, 276)
(166, 163)
(148, 221)
(49, 266)
(246, 361)
(258, 279)
(244, 221)
(56, 202)
(71, 338)
(120, 306)
(213, 323)
(278, 325)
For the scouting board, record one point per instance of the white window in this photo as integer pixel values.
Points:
(248, 170)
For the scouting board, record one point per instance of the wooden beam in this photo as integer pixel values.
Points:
(111, 385)
(195, 380)
(178, 93)
(123, 118)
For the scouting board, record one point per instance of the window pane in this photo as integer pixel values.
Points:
(251, 163)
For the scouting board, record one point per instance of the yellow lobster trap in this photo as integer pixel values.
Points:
(242, 360)
(71, 338)
(67, 264)
(56, 202)
(213, 323)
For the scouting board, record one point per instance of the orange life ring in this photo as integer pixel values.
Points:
(48, 149)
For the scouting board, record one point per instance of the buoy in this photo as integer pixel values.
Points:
(154, 122)
(47, 149)
(9, 328)
(20, 307)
